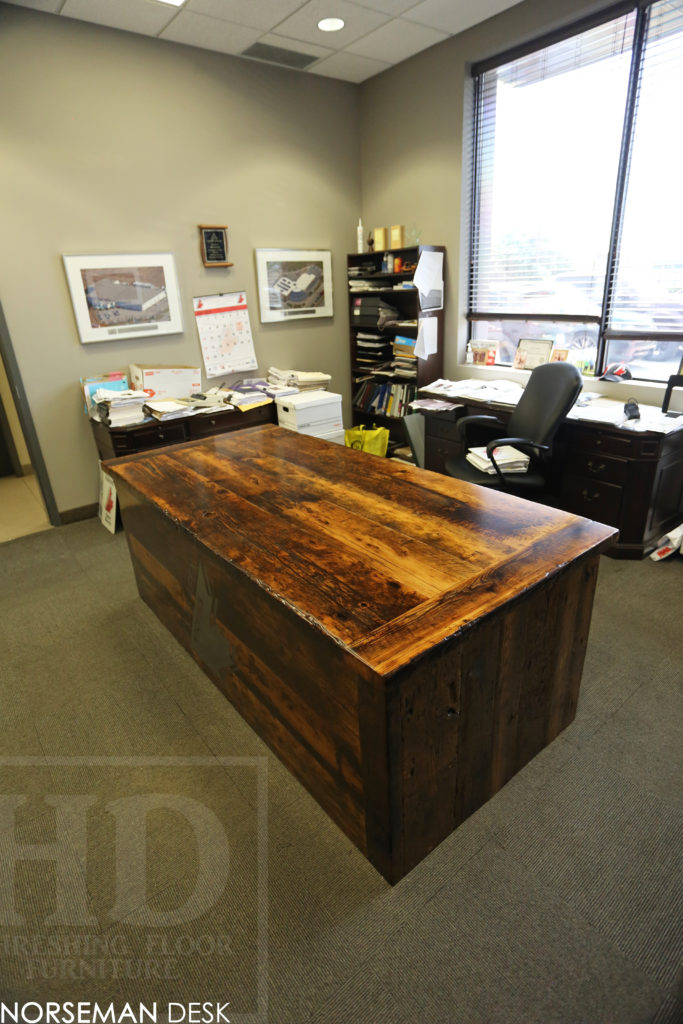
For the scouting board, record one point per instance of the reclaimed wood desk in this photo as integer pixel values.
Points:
(404, 642)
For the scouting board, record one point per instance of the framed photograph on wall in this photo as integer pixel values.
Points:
(294, 284)
(124, 296)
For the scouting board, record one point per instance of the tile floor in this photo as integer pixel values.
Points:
(22, 510)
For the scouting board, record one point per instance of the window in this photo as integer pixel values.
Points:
(577, 215)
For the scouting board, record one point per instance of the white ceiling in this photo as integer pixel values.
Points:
(376, 33)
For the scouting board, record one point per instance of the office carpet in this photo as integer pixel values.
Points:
(153, 852)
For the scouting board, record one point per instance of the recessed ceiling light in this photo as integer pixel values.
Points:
(173, 3)
(331, 24)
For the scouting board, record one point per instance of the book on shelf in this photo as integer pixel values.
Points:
(508, 459)
(403, 346)
(387, 398)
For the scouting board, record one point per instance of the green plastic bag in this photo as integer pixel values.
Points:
(374, 440)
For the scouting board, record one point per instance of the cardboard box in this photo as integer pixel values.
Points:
(310, 412)
(166, 381)
(397, 236)
(380, 237)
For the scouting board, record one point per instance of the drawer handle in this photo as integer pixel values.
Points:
(589, 497)
(595, 469)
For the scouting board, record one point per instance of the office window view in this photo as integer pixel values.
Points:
(577, 217)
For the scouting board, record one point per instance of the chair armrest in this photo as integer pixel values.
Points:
(480, 419)
(522, 443)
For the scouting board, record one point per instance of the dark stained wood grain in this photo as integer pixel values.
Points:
(403, 641)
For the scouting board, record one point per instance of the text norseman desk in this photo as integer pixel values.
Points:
(404, 642)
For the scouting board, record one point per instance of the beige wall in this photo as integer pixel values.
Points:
(114, 142)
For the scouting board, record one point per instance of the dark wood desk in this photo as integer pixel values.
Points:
(632, 481)
(141, 437)
(404, 642)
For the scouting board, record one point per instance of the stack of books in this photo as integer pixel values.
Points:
(371, 349)
(508, 459)
(304, 380)
(119, 408)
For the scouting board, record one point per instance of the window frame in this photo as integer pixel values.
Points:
(606, 331)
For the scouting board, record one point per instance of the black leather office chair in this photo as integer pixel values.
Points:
(414, 425)
(548, 396)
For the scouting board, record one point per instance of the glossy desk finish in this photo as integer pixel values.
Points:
(404, 642)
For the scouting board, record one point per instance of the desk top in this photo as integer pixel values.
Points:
(387, 559)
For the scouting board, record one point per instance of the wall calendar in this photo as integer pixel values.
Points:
(224, 333)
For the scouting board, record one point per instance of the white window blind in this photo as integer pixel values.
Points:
(548, 141)
(647, 294)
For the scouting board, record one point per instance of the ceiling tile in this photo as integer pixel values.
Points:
(394, 7)
(263, 14)
(209, 33)
(285, 43)
(304, 24)
(396, 41)
(49, 6)
(349, 67)
(453, 18)
(143, 16)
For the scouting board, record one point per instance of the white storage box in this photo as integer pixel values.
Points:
(310, 412)
(337, 437)
(166, 381)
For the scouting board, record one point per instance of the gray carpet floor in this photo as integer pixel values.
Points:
(154, 851)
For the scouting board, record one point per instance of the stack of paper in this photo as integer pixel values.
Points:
(508, 459)
(170, 408)
(120, 408)
(304, 380)
(248, 398)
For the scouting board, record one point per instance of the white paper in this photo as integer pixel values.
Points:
(428, 279)
(224, 333)
(427, 337)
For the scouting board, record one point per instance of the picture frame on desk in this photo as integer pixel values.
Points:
(294, 284)
(532, 352)
(120, 296)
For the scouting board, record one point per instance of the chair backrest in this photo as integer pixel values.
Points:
(548, 396)
(414, 424)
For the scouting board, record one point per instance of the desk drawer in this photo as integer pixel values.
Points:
(157, 435)
(437, 451)
(598, 467)
(437, 426)
(592, 498)
(139, 439)
(206, 424)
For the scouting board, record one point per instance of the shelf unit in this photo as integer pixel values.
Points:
(382, 396)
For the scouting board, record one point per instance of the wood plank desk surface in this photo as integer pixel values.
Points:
(389, 560)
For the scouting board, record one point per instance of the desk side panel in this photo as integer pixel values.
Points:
(306, 696)
(472, 715)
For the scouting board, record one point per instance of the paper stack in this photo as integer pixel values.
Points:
(508, 459)
(304, 380)
(120, 408)
(170, 408)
